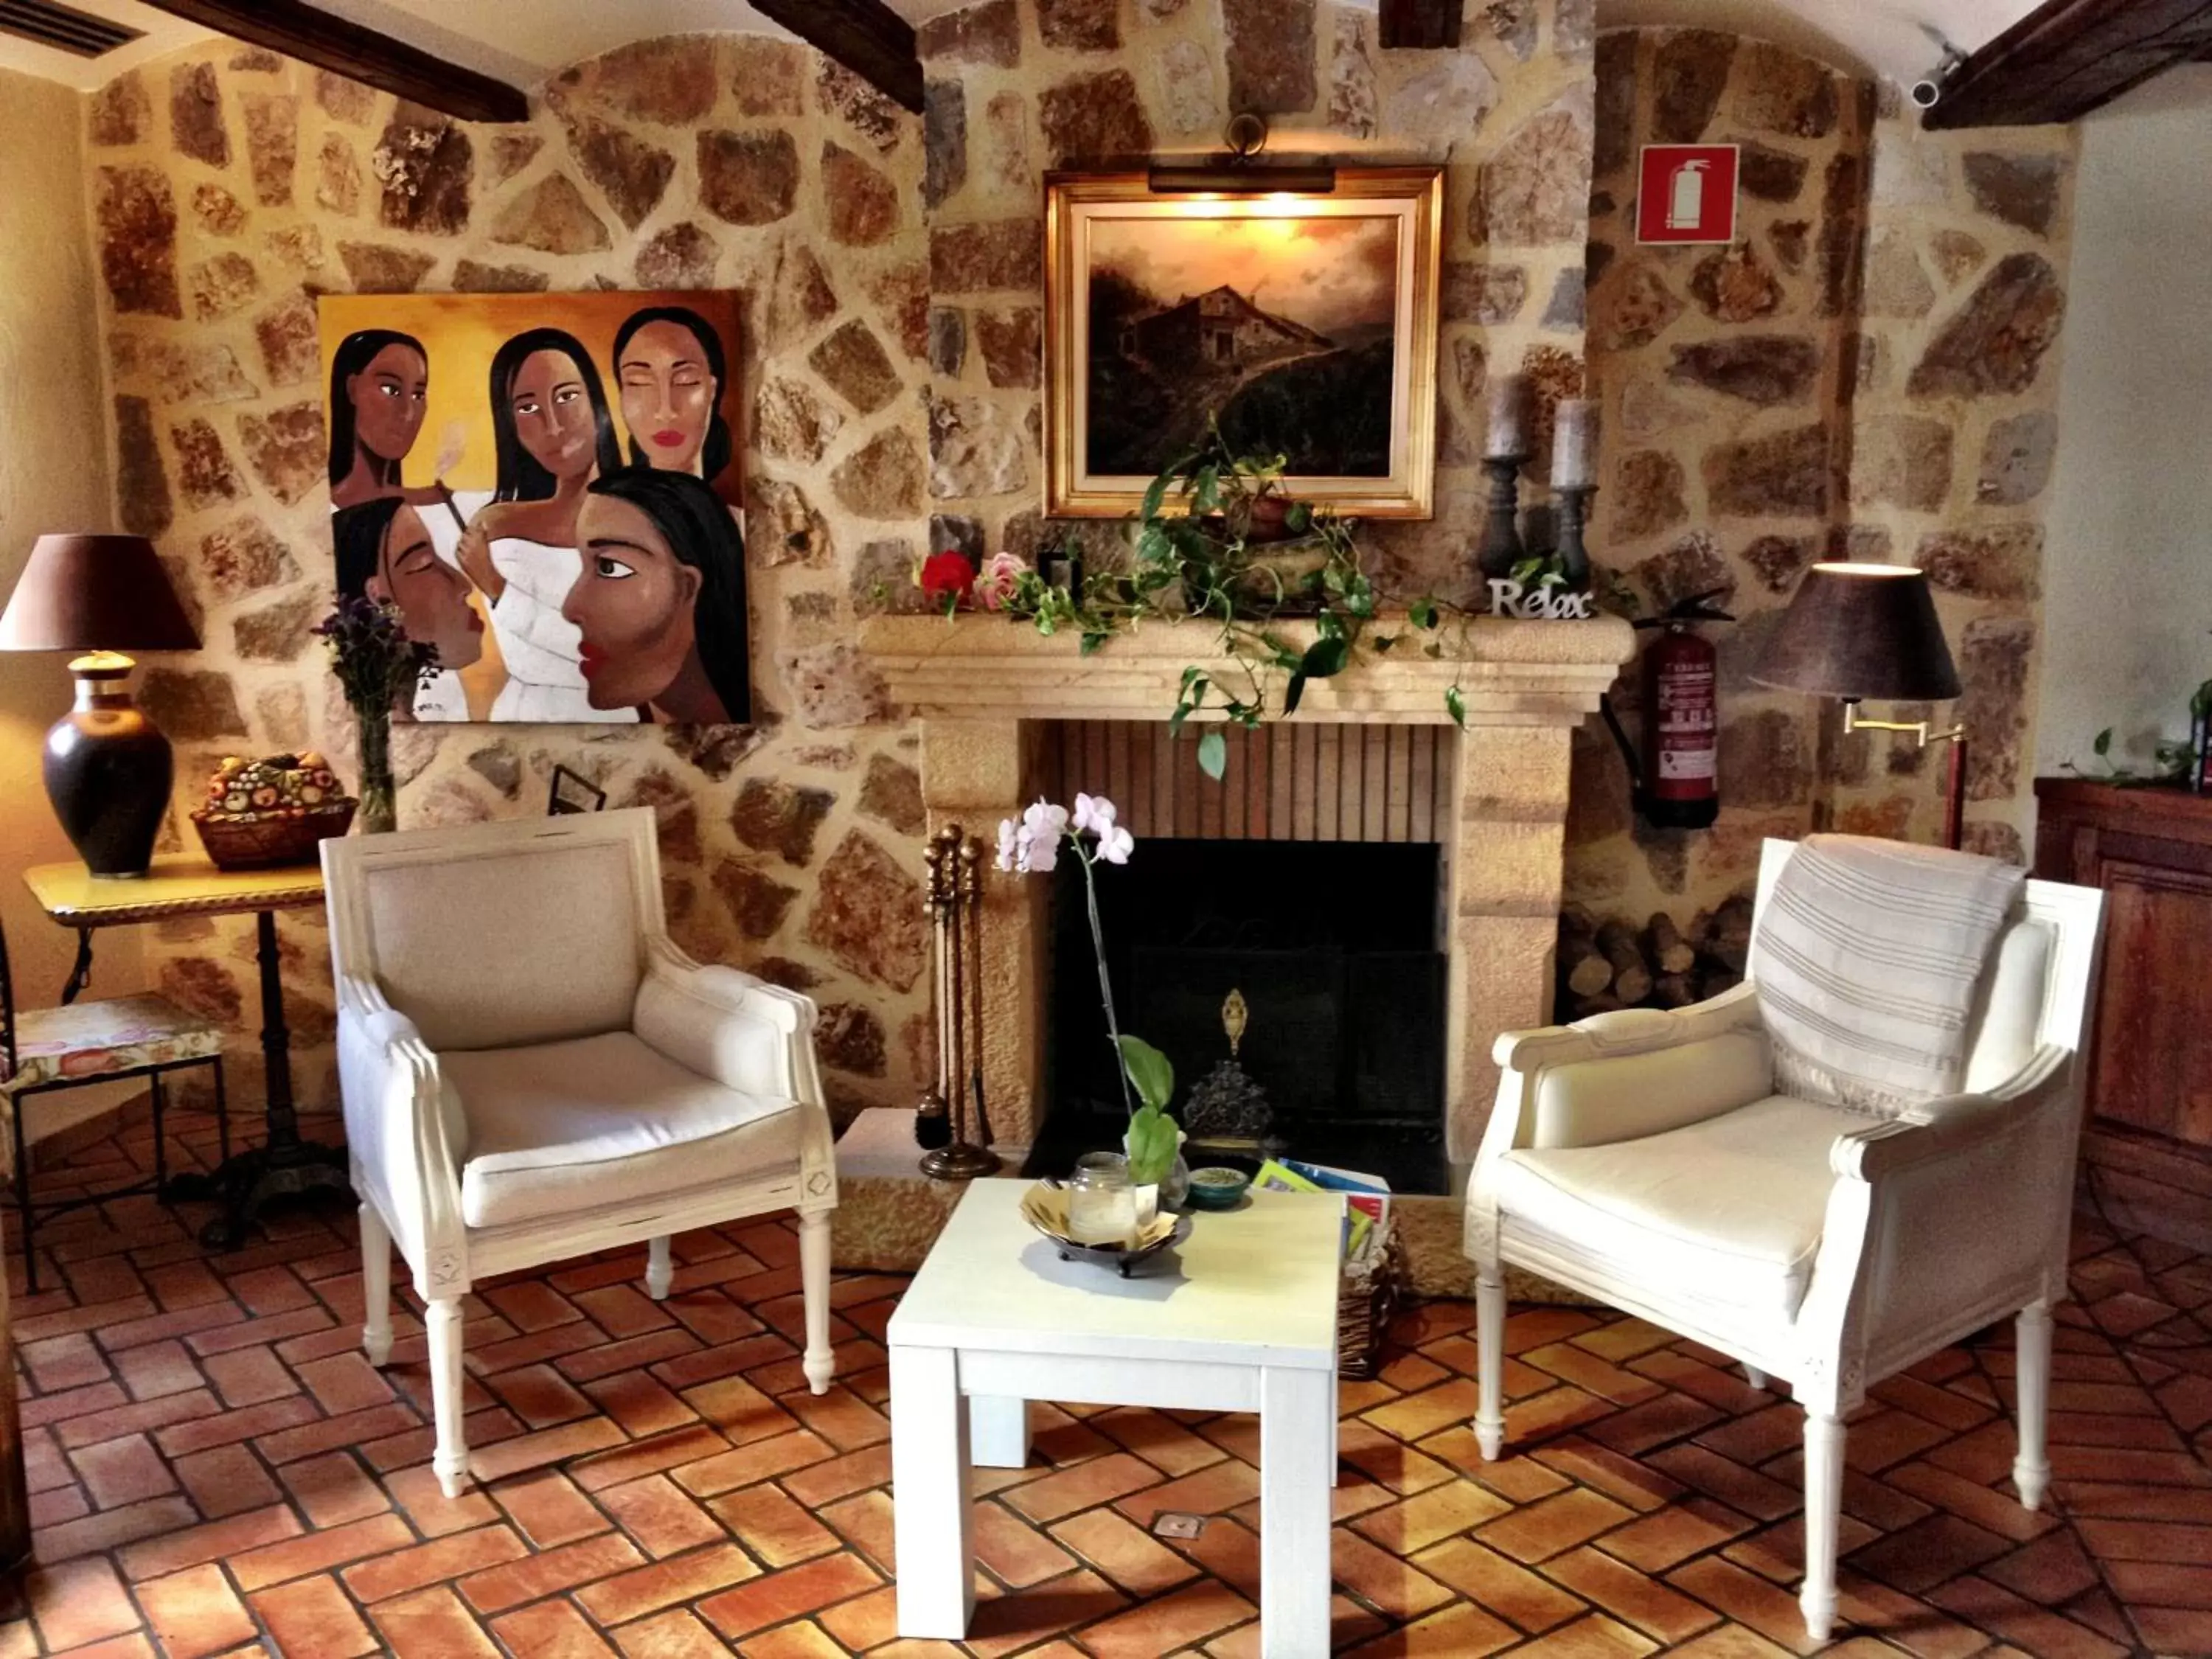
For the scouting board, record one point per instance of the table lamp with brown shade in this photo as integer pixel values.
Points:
(108, 765)
(1868, 632)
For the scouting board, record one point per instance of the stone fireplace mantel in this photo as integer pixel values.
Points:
(985, 668)
(985, 690)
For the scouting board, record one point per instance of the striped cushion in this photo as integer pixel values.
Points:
(1866, 956)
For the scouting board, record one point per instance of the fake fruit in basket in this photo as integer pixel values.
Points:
(282, 786)
(271, 810)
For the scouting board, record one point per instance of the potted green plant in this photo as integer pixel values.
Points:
(2173, 759)
(1244, 546)
(1219, 536)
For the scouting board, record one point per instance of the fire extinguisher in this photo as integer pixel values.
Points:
(1678, 776)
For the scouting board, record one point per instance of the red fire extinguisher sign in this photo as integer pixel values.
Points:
(1687, 193)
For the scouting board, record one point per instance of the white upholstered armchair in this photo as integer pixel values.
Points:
(1643, 1159)
(532, 1071)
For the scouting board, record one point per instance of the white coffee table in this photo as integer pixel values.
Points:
(1242, 1318)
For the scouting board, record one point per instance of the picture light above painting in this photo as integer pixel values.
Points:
(1303, 323)
(547, 488)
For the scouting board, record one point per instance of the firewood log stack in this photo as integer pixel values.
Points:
(1617, 964)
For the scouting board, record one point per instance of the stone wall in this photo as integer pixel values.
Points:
(1954, 426)
(1021, 87)
(893, 356)
(893, 359)
(229, 187)
(1726, 425)
(1866, 375)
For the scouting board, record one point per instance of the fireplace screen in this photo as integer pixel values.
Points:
(1323, 957)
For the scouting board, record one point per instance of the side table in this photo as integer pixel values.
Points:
(1242, 1317)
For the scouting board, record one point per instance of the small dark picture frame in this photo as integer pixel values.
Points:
(1061, 567)
(572, 793)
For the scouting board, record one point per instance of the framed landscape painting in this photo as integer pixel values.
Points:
(548, 488)
(1305, 323)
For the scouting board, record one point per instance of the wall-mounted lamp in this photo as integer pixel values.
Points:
(1856, 631)
(1240, 173)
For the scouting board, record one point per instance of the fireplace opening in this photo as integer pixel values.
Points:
(1332, 951)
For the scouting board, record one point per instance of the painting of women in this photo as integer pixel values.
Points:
(671, 372)
(660, 603)
(384, 553)
(553, 434)
(534, 400)
(379, 383)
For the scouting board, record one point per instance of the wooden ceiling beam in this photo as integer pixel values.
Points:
(359, 53)
(1420, 24)
(867, 36)
(2068, 57)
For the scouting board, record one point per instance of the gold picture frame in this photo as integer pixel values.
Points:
(1362, 265)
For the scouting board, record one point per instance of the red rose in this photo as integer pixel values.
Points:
(946, 578)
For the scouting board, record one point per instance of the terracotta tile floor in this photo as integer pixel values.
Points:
(215, 1470)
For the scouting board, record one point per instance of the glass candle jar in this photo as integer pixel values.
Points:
(1101, 1209)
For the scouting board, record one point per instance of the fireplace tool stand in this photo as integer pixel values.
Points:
(955, 1105)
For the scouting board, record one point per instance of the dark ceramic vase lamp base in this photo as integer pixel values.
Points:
(108, 765)
(108, 770)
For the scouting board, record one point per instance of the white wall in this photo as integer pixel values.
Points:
(53, 476)
(2128, 565)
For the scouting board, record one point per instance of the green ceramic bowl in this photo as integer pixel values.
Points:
(1216, 1188)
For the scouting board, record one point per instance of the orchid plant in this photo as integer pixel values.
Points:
(1032, 846)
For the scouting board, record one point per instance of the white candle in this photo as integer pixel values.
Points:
(1574, 444)
(1511, 405)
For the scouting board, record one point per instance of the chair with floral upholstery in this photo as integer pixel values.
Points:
(47, 1049)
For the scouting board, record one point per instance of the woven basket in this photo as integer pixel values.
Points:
(1366, 1305)
(251, 843)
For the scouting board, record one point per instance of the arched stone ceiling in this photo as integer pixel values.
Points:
(522, 41)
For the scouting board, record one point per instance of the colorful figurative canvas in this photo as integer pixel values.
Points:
(547, 488)
(1304, 325)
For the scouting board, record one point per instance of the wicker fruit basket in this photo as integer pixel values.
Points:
(271, 811)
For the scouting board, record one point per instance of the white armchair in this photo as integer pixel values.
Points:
(532, 1072)
(1643, 1158)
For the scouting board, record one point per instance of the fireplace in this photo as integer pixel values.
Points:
(1487, 797)
(1332, 950)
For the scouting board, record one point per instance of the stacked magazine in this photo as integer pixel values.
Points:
(1367, 1200)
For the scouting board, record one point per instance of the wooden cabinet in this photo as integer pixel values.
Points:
(2148, 1136)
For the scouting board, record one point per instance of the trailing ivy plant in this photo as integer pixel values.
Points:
(1209, 541)
(2172, 760)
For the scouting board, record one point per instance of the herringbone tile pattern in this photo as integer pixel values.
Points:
(215, 1470)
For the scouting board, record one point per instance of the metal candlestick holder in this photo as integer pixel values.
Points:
(1501, 548)
(955, 900)
(1574, 516)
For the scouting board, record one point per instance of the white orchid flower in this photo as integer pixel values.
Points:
(1042, 825)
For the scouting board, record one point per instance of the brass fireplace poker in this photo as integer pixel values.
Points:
(954, 1105)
